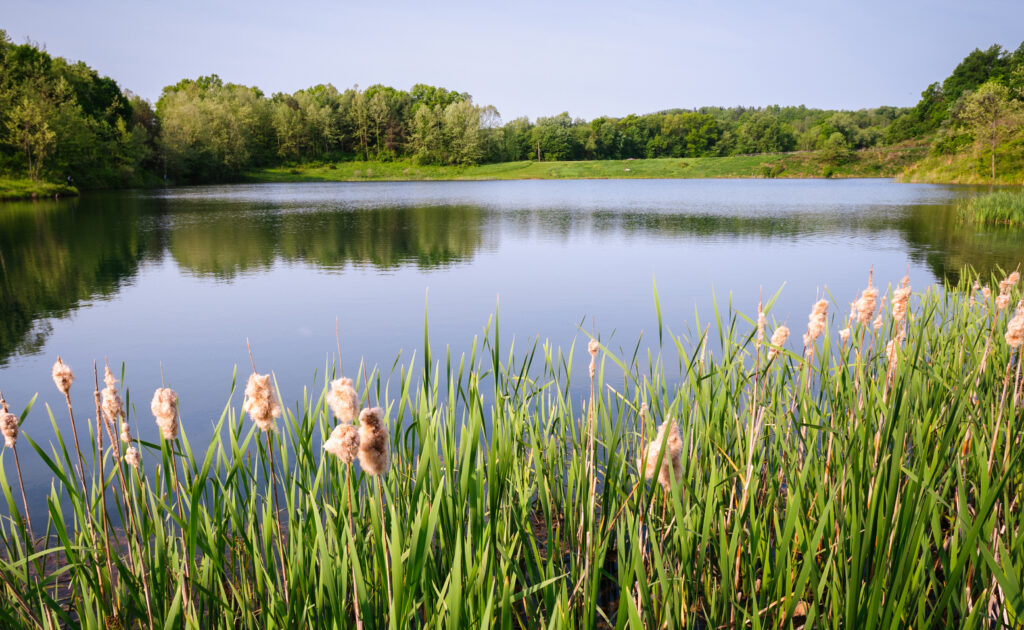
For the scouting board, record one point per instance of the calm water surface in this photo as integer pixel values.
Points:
(181, 277)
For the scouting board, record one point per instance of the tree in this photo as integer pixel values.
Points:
(30, 132)
(991, 116)
(835, 150)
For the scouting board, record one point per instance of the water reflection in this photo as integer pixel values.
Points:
(55, 256)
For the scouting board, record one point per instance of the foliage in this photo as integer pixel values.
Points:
(847, 486)
(1004, 207)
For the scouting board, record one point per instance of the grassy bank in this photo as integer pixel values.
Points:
(1003, 207)
(868, 163)
(971, 167)
(30, 189)
(869, 478)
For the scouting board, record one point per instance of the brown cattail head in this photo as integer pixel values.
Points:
(131, 457)
(592, 347)
(1015, 329)
(113, 407)
(165, 410)
(1009, 282)
(126, 432)
(762, 322)
(260, 403)
(867, 302)
(900, 299)
(779, 338)
(9, 427)
(63, 377)
(343, 399)
(374, 457)
(671, 461)
(344, 442)
(816, 321)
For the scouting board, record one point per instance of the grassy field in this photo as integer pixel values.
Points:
(29, 189)
(868, 477)
(868, 163)
(1003, 207)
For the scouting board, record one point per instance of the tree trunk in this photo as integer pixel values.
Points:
(993, 160)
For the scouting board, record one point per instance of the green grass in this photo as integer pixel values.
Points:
(868, 163)
(826, 490)
(971, 166)
(1003, 207)
(29, 189)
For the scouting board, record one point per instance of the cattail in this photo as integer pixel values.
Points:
(1009, 282)
(165, 410)
(373, 442)
(671, 461)
(592, 347)
(344, 442)
(987, 293)
(867, 302)
(1015, 329)
(343, 400)
(779, 338)
(844, 334)
(900, 298)
(126, 433)
(63, 377)
(1002, 301)
(816, 322)
(260, 403)
(878, 323)
(131, 457)
(113, 407)
(9, 427)
(762, 321)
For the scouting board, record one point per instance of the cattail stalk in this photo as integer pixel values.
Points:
(103, 477)
(63, 377)
(9, 425)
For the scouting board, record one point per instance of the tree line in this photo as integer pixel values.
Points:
(60, 119)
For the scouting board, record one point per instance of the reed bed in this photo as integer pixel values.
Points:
(868, 477)
(1002, 207)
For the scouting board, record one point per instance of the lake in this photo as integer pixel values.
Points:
(177, 280)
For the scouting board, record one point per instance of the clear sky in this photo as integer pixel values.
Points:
(536, 58)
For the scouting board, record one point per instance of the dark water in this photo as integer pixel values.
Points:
(182, 277)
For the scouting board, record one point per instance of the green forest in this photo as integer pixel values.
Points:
(62, 122)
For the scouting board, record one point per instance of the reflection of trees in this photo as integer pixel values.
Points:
(938, 239)
(221, 241)
(54, 255)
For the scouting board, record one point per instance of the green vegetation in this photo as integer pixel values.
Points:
(30, 189)
(880, 162)
(872, 479)
(1004, 207)
(60, 119)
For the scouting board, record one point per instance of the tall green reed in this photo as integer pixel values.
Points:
(871, 478)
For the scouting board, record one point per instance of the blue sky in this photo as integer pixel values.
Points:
(536, 58)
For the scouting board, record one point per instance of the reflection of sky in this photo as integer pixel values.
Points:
(550, 268)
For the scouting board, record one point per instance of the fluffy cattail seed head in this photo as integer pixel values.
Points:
(779, 338)
(131, 457)
(671, 461)
(260, 403)
(762, 322)
(343, 399)
(1009, 282)
(1015, 329)
(592, 347)
(844, 334)
(165, 409)
(867, 302)
(344, 442)
(126, 432)
(113, 406)
(63, 377)
(374, 457)
(1002, 301)
(816, 322)
(900, 298)
(9, 427)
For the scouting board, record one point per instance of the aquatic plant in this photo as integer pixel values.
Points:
(877, 483)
